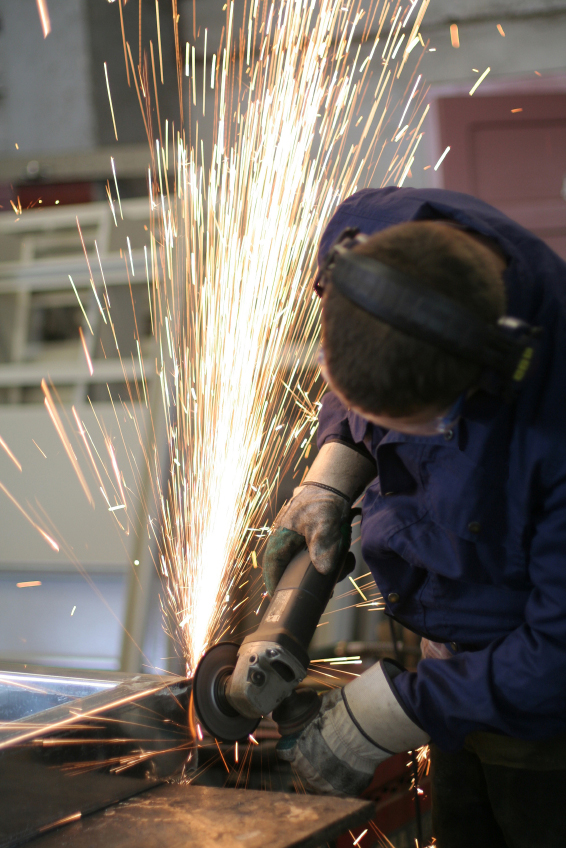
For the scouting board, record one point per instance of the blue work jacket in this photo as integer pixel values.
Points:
(465, 534)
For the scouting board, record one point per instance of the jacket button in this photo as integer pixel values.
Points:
(449, 434)
(474, 527)
(393, 598)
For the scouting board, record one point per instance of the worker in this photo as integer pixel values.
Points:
(463, 516)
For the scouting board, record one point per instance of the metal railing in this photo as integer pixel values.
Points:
(40, 253)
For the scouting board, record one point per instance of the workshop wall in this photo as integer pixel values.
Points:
(45, 84)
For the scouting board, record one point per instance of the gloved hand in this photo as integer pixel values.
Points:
(318, 513)
(357, 728)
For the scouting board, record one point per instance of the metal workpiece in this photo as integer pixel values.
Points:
(71, 746)
(201, 816)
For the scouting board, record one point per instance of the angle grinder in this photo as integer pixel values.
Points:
(234, 686)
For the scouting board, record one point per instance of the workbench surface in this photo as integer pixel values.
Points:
(178, 816)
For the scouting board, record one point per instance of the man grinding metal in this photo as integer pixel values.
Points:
(444, 343)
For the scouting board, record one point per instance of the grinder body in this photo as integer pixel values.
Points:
(271, 662)
(274, 660)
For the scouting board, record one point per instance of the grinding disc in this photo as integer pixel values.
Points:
(215, 713)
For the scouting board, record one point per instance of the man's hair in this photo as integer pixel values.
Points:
(382, 370)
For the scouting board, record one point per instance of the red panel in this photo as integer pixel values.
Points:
(513, 160)
(65, 193)
(526, 162)
(6, 194)
(460, 115)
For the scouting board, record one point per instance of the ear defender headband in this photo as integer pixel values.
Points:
(397, 299)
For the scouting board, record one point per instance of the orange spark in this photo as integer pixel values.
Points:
(66, 820)
(47, 538)
(454, 36)
(89, 268)
(110, 101)
(44, 17)
(82, 433)
(87, 355)
(39, 449)
(10, 454)
(222, 755)
(28, 583)
(110, 449)
(500, 30)
(159, 39)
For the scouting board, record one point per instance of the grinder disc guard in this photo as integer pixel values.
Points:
(218, 717)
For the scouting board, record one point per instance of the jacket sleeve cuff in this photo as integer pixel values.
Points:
(359, 447)
(375, 706)
(343, 469)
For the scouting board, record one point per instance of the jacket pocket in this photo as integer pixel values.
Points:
(462, 499)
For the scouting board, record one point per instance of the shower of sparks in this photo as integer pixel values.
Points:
(236, 305)
(232, 254)
(44, 17)
(423, 763)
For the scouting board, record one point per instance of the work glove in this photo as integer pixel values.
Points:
(318, 514)
(357, 728)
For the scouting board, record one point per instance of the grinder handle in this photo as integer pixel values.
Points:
(298, 603)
